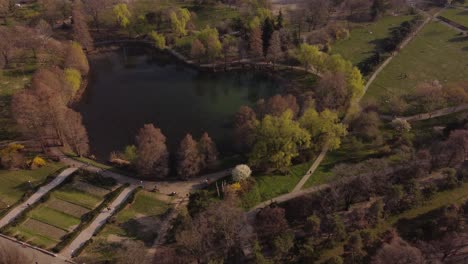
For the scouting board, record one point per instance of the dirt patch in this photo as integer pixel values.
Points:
(44, 229)
(68, 208)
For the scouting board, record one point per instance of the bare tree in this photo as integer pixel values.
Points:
(317, 12)
(208, 151)
(244, 124)
(12, 255)
(95, 8)
(274, 51)
(4, 9)
(198, 50)
(153, 157)
(398, 252)
(75, 132)
(80, 27)
(332, 91)
(7, 44)
(188, 158)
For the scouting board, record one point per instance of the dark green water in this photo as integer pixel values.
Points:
(131, 88)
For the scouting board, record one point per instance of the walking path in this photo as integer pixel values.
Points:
(429, 115)
(100, 220)
(15, 212)
(32, 253)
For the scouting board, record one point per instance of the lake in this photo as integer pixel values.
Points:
(134, 86)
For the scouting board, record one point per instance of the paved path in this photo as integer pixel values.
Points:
(100, 220)
(311, 171)
(15, 212)
(429, 115)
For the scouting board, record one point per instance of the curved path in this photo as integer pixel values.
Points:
(429, 115)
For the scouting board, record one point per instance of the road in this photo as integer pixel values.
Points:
(15, 212)
(100, 220)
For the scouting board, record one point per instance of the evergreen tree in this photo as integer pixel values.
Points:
(267, 31)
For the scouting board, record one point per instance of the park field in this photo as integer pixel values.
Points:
(366, 38)
(60, 212)
(139, 221)
(437, 53)
(14, 184)
(457, 15)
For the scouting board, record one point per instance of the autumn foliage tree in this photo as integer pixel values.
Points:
(80, 26)
(244, 124)
(198, 50)
(256, 43)
(152, 155)
(76, 59)
(188, 158)
(208, 151)
(274, 50)
(75, 132)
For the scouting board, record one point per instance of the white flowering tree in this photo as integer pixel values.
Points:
(241, 172)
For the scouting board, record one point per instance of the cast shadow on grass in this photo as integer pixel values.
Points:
(459, 39)
(136, 229)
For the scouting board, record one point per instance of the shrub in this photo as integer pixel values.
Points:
(159, 40)
(37, 162)
(73, 78)
(241, 172)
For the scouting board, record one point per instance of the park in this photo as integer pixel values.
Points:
(219, 131)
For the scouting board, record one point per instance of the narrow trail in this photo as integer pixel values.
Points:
(429, 115)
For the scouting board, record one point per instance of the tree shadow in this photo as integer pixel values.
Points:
(459, 39)
(140, 231)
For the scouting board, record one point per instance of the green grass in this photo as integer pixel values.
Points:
(271, 186)
(362, 43)
(75, 196)
(346, 154)
(54, 217)
(34, 238)
(14, 184)
(437, 53)
(456, 15)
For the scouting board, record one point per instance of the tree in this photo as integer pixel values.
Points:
(132, 252)
(267, 31)
(277, 105)
(334, 226)
(241, 172)
(159, 40)
(256, 43)
(378, 8)
(310, 56)
(208, 151)
(375, 212)
(95, 8)
(153, 157)
(188, 158)
(76, 59)
(122, 14)
(354, 248)
(4, 9)
(277, 141)
(317, 12)
(75, 132)
(213, 47)
(12, 254)
(7, 44)
(80, 26)
(230, 47)
(313, 224)
(367, 126)
(54, 10)
(332, 91)
(271, 222)
(397, 252)
(179, 19)
(325, 127)
(244, 124)
(198, 50)
(214, 232)
(282, 244)
(274, 50)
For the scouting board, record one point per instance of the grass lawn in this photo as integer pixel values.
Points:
(456, 15)
(14, 184)
(26, 234)
(437, 53)
(346, 154)
(75, 196)
(271, 186)
(366, 38)
(54, 217)
(212, 14)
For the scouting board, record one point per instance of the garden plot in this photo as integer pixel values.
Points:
(139, 220)
(48, 223)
